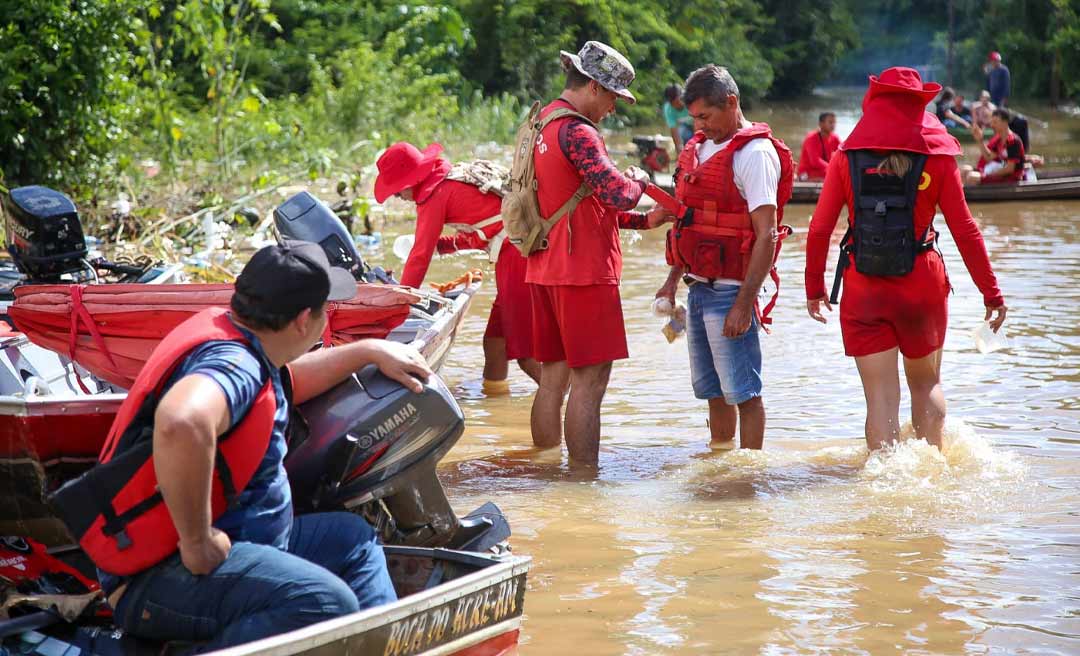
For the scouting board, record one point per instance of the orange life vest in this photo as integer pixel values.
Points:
(715, 237)
(115, 510)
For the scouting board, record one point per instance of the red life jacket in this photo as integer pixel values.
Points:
(115, 510)
(716, 238)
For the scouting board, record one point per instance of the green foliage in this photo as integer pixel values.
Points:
(800, 27)
(250, 92)
(1039, 40)
(64, 89)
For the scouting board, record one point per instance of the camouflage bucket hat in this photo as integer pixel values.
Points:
(600, 62)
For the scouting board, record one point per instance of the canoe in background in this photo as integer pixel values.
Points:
(1051, 185)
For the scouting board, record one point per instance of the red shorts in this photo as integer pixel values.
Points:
(511, 312)
(911, 312)
(582, 324)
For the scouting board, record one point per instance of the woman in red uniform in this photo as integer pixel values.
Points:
(882, 315)
(421, 177)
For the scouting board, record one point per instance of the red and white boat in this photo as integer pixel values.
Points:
(62, 381)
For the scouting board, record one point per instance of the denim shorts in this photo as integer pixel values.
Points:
(721, 366)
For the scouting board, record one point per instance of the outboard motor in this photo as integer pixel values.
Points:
(652, 153)
(370, 446)
(44, 235)
(307, 218)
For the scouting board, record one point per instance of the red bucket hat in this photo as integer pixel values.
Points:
(895, 117)
(404, 166)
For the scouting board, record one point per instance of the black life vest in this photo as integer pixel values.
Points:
(881, 234)
(115, 511)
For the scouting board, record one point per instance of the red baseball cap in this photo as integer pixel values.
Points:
(994, 56)
(403, 166)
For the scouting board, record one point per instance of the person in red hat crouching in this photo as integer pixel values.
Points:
(735, 178)
(422, 177)
(897, 166)
(578, 326)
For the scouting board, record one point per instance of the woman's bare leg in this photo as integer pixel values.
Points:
(927, 397)
(880, 376)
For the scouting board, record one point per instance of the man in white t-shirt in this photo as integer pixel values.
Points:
(729, 174)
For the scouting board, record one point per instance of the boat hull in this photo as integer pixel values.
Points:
(479, 613)
(450, 603)
(1048, 187)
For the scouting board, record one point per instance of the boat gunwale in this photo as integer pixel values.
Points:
(64, 401)
(502, 568)
(1054, 188)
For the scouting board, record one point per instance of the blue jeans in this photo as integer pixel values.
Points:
(721, 366)
(333, 566)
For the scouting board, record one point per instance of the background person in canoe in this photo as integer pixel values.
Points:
(1001, 160)
(257, 570)
(960, 108)
(578, 328)
(885, 317)
(408, 173)
(736, 168)
(982, 110)
(818, 147)
(945, 111)
(676, 117)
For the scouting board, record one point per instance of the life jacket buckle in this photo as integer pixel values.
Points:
(882, 208)
(122, 540)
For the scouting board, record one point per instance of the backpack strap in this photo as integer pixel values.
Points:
(855, 159)
(563, 112)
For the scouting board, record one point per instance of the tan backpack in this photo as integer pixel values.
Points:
(526, 228)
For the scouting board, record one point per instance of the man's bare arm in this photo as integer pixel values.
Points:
(187, 423)
(316, 372)
(671, 285)
(761, 259)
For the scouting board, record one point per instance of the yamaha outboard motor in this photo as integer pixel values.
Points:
(652, 153)
(44, 235)
(370, 446)
(307, 218)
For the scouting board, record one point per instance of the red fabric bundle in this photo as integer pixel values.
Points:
(111, 329)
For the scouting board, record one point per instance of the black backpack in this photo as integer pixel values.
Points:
(882, 231)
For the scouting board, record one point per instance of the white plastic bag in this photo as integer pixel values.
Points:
(987, 341)
(403, 246)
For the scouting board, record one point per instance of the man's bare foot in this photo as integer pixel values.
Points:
(717, 445)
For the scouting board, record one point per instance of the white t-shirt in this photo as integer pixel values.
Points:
(756, 168)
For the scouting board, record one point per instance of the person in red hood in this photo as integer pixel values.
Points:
(883, 315)
(578, 326)
(421, 177)
(818, 147)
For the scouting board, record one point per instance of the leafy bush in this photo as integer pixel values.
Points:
(64, 89)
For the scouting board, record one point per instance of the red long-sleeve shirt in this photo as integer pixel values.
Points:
(943, 188)
(450, 202)
(816, 152)
(584, 248)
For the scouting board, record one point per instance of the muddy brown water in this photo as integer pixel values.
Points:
(813, 545)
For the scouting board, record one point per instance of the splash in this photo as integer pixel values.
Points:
(911, 480)
(967, 477)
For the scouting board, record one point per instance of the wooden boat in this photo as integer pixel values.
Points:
(450, 603)
(1051, 185)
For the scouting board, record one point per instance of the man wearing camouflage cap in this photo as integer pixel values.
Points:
(578, 326)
